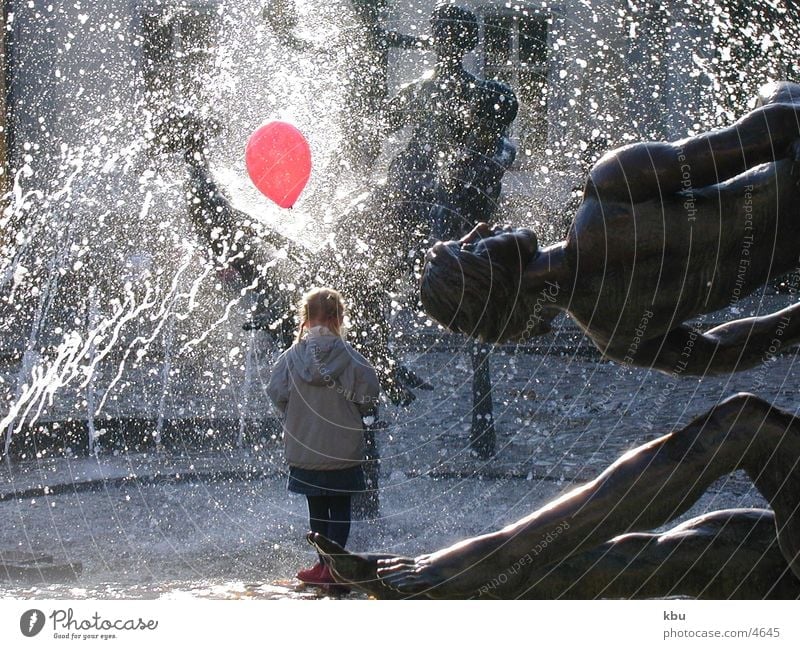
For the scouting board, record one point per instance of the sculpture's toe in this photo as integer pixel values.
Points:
(324, 545)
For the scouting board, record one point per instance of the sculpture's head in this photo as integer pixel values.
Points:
(474, 286)
(454, 29)
(280, 14)
(778, 92)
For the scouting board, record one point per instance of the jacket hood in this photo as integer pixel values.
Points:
(319, 358)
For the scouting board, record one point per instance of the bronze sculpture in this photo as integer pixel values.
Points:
(666, 232)
(445, 110)
(658, 239)
(448, 175)
(585, 543)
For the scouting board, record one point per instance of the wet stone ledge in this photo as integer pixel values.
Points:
(36, 568)
(71, 437)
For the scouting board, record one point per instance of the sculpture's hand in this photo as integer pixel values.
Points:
(480, 231)
(512, 248)
(417, 576)
(355, 570)
(474, 285)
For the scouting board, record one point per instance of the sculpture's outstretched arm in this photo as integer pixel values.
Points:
(730, 347)
(229, 232)
(644, 489)
(729, 554)
(261, 256)
(392, 38)
(404, 108)
(649, 170)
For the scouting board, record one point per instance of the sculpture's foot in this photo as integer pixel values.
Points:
(412, 380)
(357, 571)
(399, 395)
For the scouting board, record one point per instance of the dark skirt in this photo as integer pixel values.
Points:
(338, 482)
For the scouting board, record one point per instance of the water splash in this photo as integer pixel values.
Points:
(107, 291)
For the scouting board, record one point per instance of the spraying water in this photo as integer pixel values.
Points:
(118, 323)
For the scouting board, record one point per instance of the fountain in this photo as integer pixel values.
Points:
(122, 334)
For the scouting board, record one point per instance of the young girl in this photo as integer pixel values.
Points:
(322, 387)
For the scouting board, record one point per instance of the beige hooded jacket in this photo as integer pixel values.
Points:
(322, 386)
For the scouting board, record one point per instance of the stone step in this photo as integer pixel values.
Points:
(36, 568)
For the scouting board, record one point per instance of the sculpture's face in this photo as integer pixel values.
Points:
(778, 92)
(475, 287)
(281, 12)
(454, 30)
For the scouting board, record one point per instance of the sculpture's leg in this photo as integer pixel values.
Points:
(370, 263)
(262, 258)
(482, 437)
(642, 172)
(371, 335)
(722, 555)
(452, 216)
(644, 489)
(366, 504)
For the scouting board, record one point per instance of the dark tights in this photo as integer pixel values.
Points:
(330, 516)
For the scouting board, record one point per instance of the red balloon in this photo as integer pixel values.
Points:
(278, 161)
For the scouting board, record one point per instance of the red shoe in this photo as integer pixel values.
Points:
(312, 575)
(331, 585)
(325, 577)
